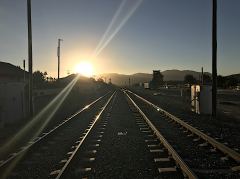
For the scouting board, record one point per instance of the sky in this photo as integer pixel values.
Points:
(145, 35)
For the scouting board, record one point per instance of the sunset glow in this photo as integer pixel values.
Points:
(84, 68)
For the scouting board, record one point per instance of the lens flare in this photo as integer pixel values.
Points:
(110, 26)
(118, 28)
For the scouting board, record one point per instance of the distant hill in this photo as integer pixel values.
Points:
(8, 70)
(178, 75)
(236, 76)
(169, 75)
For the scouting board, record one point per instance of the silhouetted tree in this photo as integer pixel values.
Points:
(45, 75)
(189, 79)
(92, 79)
(38, 78)
(100, 80)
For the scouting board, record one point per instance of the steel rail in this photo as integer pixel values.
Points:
(184, 167)
(82, 139)
(223, 148)
(38, 139)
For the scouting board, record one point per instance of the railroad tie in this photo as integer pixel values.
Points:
(153, 145)
(74, 146)
(70, 153)
(93, 151)
(167, 169)
(84, 170)
(100, 132)
(196, 139)
(213, 150)
(140, 121)
(144, 129)
(142, 126)
(77, 142)
(91, 159)
(151, 140)
(161, 159)
(190, 135)
(156, 150)
(151, 135)
(55, 172)
(63, 161)
(203, 144)
(97, 140)
(96, 145)
(225, 158)
(100, 136)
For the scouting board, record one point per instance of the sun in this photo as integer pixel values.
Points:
(84, 68)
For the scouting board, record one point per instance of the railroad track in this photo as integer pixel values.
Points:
(79, 161)
(43, 142)
(125, 136)
(66, 163)
(204, 154)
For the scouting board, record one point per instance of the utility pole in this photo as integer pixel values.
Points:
(29, 22)
(24, 78)
(214, 59)
(58, 54)
(202, 80)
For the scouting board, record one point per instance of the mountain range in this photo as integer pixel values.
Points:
(8, 70)
(169, 75)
